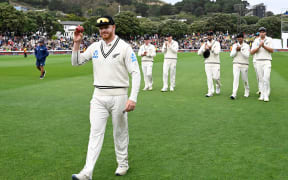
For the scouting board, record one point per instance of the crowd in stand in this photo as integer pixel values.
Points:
(194, 41)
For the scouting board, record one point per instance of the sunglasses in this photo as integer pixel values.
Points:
(103, 20)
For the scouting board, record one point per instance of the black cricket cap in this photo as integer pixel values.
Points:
(146, 37)
(240, 35)
(168, 35)
(210, 33)
(105, 20)
(262, 29)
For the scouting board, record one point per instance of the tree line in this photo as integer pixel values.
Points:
(129, 25)
(145, 8)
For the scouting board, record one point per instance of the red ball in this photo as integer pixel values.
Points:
(79, 29)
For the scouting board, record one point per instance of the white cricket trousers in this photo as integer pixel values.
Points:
(237, 69)
(264, 70)
(212, 73)
(169, 64)
(255, 68)
(100, 109)
(147, 73)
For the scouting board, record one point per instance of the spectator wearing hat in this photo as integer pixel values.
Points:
(240, 54)
(170, 50)
(262, 49)
(210, 51)
(147, 51)
(113, 60)
(41, 52)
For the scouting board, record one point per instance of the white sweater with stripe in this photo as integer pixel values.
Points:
(112, 64)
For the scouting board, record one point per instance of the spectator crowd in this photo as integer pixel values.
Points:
(9, 42)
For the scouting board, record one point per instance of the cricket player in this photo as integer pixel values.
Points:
(255, 67)
(262, 48)
(170, 49)
(113, 60)
(41, 53)
(211, 50)
(240, 52)
(147, 51)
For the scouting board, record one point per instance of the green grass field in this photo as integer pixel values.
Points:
(44, 124)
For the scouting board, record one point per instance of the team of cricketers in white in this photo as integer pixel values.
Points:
(112, 64)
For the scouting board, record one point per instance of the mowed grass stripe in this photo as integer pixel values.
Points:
(180, 135)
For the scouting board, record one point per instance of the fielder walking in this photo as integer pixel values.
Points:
(240, 52)
(211, 50)
(41, 52)
(113, 60)
(262, 49)
(147, 51)
(255, 67)
(170, 49)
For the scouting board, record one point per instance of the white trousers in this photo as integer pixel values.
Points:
(100, 108)
(212, 73)
(237, 69)
(255, 68)
(147, 73)
(169, 64)
(263, 71)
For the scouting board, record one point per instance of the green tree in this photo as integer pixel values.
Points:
(167, 9)
(251, 19)
(148, 27)
(127, 24)
(154, 10)
(11, 20)
(222, 22)
(272, 24)
(45, 23)
(174, 27)
(90, 26)
(199, 26)
(142, 9)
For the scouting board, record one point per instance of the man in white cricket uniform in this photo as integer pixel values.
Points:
(240, 52)
(147, 51)
(170, 50)
(113, 60)
(255, 67)
(211, 50)
(262, 49)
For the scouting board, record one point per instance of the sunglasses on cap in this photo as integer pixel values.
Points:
(103, 20)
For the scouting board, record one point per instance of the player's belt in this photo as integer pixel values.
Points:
(212, 63)
(240, 63)
(170, 58)
(109, 87)
(263, 59)
(147, 60)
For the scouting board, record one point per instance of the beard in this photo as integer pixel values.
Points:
(107, 35)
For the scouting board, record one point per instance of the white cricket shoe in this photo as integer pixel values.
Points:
(261, 98)
(246, 95)
(145, 88)
(150, 88)
(266, 99)
(218, 90)
(80, 176)
(208, 95)
(171, 89)
(121, 170)
(164, 89)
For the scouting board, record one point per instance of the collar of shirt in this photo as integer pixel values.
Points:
(109, 45)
